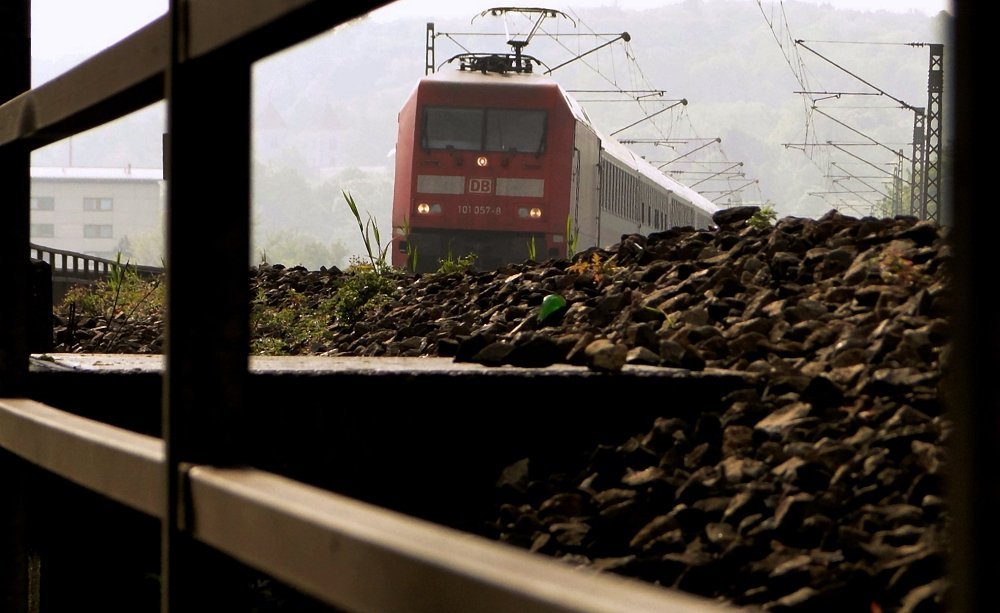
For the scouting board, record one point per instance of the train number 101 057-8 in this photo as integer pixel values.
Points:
(478, 209)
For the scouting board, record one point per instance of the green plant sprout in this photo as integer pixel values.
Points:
(763, 218)
(411, 249)
(369, 230)
(572, 237)
(449, 264)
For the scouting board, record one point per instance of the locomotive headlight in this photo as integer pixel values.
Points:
(524, 212)
(423, 208)
(481, 161)
(535, 213)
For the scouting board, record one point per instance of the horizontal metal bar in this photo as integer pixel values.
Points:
(129, 75)
(338, 549)
(113, 83)
(365, 558)
(122, 465)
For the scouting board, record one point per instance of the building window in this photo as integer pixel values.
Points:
(98, 204)
(43, 203)
(93, 230)
(43, 230)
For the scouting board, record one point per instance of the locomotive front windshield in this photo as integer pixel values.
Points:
(510, 130)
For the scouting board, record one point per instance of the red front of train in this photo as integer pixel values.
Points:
(483, 167)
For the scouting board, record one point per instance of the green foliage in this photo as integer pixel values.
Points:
(370, 235)
(122, 296)
(763, 218)
(462, 264)
(290, 327)
(572, 237)
(411, 249)
(124, 293)
(366, 287)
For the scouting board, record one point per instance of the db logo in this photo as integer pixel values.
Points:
(480, 186)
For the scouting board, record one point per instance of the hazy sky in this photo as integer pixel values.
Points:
(62, 28)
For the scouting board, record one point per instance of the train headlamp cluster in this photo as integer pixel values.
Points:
(482, 162)
(426, 209)
(529, 213)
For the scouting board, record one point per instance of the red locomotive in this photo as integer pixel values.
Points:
(496, 161)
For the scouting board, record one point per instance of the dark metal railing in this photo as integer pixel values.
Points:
(70, 265)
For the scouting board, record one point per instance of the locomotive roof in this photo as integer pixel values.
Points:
(520, 79)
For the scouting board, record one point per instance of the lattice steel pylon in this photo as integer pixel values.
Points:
(918, 200)
(932, 130)
(925, 195)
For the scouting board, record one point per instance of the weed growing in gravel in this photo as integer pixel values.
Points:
(450, 264)
(411, 249)
(595, 266)
(763, 218)
(370, 235)
(123, 296)
(364, 288)
(289, 328)
(572, 237)
(125, 293)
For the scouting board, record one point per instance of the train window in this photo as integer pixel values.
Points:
(515, 130)
(453, 128)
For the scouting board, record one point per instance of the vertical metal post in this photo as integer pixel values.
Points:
(973, 395)
(932, 162)
(897, 185)
(208, 255)
(429, 52)
(918, 200)
(15, 186)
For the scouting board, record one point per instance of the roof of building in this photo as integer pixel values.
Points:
(126, 173)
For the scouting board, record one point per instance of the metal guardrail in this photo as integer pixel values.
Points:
(80, 266)
(344, 552)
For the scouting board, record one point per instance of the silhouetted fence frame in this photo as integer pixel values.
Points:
(82, 266)
(198, 57)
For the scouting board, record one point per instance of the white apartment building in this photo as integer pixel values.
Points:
(95, 210)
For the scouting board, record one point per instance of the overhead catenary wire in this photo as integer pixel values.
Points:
(627, 80)
(820, 99)
(871, 85)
